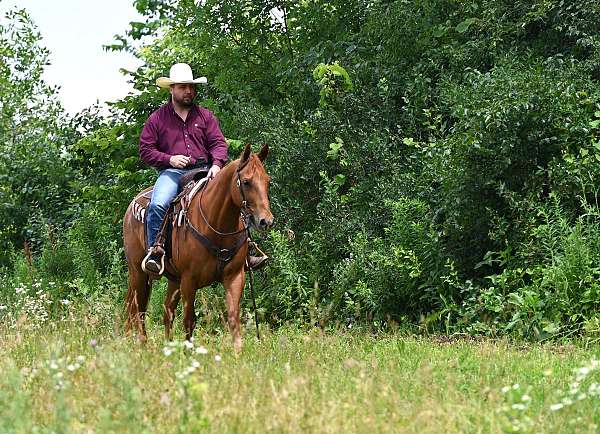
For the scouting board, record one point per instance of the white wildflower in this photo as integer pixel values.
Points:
(65, 302)
(189, 345)
(167, 351)
(518, 407)
(195, 363)
(81, 359)
(556, 407)
(217, 358)
(505, 389)
(583, 371)
(53, 365)
(71, 367)
(526, 398)
(201, 350)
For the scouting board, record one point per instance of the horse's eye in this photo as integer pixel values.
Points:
(246, 182)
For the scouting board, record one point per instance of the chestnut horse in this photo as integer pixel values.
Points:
(214, 215)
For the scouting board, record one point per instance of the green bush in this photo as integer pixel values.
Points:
(509, 126)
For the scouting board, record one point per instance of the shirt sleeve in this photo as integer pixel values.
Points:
(216, 145)
(149, 152)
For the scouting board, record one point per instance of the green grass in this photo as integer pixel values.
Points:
(290, 381)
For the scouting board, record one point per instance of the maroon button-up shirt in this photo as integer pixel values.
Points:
(165, 134)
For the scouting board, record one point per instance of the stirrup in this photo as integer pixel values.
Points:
(162, 263)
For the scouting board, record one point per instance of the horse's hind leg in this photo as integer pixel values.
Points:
(137, 298)
(170, 307)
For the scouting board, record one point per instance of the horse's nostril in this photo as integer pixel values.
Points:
(264, 223)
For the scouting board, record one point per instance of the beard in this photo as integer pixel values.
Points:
(186, 102)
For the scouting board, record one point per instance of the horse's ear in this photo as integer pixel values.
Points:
(246, 154)
(263, 152)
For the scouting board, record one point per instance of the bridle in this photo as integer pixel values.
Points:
(224, 255)
(245, 209)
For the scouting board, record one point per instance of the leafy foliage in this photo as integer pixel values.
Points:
(434, 162)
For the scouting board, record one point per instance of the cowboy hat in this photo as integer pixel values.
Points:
(179, 73)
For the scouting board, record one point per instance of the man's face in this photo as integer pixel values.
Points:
(183, 94)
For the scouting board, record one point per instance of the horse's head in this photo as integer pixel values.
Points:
(252, 188)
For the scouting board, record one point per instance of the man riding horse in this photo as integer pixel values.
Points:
(178, 137)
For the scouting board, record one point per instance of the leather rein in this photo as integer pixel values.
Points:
(223, 255)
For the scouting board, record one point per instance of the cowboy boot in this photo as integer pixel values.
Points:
(257, 262)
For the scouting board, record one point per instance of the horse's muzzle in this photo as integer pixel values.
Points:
(265, 224)
(262, 223)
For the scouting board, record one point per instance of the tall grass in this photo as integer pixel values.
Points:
(74, 371)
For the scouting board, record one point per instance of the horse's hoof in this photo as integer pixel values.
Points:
(237, 347)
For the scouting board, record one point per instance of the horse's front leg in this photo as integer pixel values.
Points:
(234, 286)
(187, 290)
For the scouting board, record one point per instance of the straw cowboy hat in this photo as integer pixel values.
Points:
(179, 73)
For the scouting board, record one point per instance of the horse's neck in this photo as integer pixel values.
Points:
(217, 205)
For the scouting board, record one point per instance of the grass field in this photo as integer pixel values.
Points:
(79, 374)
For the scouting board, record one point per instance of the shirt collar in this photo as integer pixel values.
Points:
(195, 109)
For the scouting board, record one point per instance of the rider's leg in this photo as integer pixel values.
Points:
(165, 189)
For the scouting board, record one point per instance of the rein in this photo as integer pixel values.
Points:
(223, 255)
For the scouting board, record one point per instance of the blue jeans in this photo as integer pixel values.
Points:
(165, 190)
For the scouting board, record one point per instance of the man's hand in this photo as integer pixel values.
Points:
(179, 161)
(213, 171)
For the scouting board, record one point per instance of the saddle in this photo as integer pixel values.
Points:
(190, 184)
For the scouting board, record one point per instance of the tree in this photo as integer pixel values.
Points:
(34, 171)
